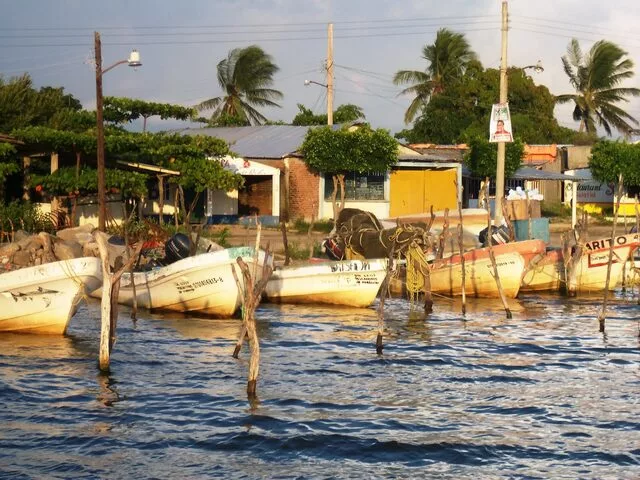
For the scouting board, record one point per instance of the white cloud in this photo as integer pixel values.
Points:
(175, 71)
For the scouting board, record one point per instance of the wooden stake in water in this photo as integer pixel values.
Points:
(285, 243)
(638, 235)
(464, 273)
(384, 293)
(492, 257)
(603, 312)
(507, 220)
(461, 248)
(572, 254)
(109, 302)
(242, 291)
(442, 239)
(428, 298)
(134, 307)
(529, 233)
(252, 291)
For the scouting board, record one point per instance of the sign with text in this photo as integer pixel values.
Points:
(592, 191)
(500, 124)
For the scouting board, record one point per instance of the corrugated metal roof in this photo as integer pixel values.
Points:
(528, 173)
(265, 141)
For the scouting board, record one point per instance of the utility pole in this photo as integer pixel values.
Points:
(497, 214)
(102, 207)
(330, 74)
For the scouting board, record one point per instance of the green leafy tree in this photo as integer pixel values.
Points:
(610, 159)
(596, 78)
(8, 162)
(124, 110)
(227, 120)
(186, 154)
(346, 113)
(463, 110)
(199, 174)
(65, 182)
(482, 158)
(245, 76)
(21, 105)
(448, 57)
(336, 152)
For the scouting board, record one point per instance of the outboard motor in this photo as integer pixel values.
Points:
(500, 235)
(177, 248)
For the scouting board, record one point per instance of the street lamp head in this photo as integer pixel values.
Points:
(134, 59)
(538, 68)
(307, 82)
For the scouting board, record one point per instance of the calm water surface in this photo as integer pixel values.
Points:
(543, 395)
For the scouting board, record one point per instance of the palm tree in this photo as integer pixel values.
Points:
(596, 78)
(244, 76)
(448, 59)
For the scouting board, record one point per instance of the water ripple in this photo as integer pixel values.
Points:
(542, 395)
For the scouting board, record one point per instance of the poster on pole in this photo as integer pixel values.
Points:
(500, 124)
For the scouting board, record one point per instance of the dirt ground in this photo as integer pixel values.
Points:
(239, 235)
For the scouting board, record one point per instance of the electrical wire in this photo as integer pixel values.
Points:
(561, 35)
(243, 32)
(210, 42)
(564, 24)
(247, 25)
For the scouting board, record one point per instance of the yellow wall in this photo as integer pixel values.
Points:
(416, 190)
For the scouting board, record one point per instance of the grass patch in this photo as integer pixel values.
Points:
(555, 210)
(324, 226)
(299, 251)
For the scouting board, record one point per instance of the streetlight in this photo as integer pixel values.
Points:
(132, 61)
(538, 68)
(308, 82)
(329, 98)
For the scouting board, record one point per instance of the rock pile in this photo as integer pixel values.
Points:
(29, 250)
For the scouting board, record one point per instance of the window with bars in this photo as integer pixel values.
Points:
(358, 186)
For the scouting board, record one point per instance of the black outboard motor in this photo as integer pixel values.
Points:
(500, 235)
(177, 248)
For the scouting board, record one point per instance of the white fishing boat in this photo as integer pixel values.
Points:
(590, 274)
(42, 299)
(353, 283)
(203, 284)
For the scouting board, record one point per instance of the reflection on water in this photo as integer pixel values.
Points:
(541, 395)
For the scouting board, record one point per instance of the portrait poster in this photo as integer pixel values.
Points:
(500, 124)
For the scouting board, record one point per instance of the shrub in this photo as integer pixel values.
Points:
(24, 215)
(555, 209)
(324, 226)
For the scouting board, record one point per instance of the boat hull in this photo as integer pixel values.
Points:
(56, 276)
(42, 299)
(351, 283)
(446, 275)
(44, 312)
(591, 271)
(203, 284)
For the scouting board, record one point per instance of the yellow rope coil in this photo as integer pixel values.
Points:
(415, 277)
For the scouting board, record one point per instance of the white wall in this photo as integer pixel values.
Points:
(379, 208)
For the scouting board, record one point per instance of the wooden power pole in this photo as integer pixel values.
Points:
(497, 215)
(330, 74)
(102, 208)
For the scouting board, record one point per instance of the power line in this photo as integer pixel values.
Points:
(391, 88)
(209, 42)
(551, 34)
(243, 32)
(564, 24)
(589, 32)
(245, 25)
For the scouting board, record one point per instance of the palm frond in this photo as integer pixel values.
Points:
(209, 104)
(410, 76)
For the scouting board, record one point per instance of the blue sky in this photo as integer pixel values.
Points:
(181, 42)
